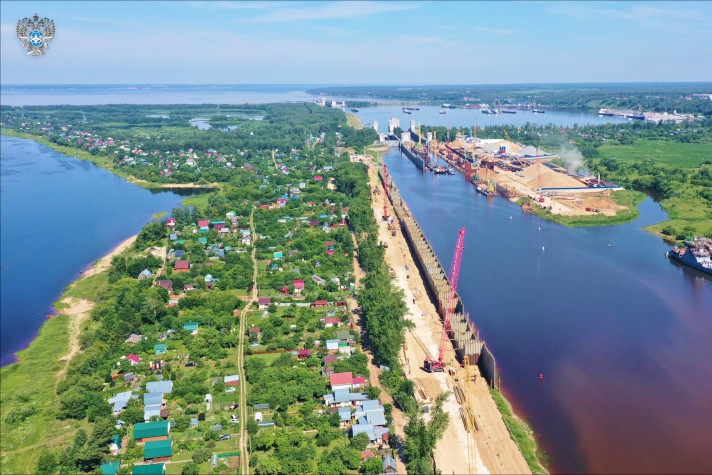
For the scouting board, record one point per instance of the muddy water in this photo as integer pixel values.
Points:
(622, 336)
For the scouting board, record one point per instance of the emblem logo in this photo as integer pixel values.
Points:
(35, 34)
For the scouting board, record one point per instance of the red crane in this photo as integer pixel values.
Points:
(385, 192)
(432, 365)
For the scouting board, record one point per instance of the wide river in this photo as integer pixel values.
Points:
(622, 336)
(59, 214)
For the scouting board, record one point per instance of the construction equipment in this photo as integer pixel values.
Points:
(509, 141)
(385, 194)
(438, 365)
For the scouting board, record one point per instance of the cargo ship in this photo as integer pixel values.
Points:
(695, 254)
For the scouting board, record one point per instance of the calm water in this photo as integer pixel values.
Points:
(622, 335)
(59, 215)
(430, 115)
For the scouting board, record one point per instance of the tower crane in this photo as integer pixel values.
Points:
(434, 365)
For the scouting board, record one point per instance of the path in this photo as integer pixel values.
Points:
(244, 455)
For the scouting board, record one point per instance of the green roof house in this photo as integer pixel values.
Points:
(203, 240)
(109, 468)
(148, 431)
(150, 469)
(158, 451)
(192, 327)
(160, 348)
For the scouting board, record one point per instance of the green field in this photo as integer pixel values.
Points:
(674, 154)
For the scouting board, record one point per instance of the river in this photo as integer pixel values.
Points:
(59, 215)
(621, 335)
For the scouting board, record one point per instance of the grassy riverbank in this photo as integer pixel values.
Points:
(522, 435)
(628, 198)
(29, 401)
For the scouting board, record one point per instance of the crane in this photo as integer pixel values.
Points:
(508, 140)
(385, 192)
(432, 365)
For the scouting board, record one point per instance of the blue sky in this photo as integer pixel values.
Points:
(361, 42)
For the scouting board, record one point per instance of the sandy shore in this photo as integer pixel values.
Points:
(105, 262)
(491, 450)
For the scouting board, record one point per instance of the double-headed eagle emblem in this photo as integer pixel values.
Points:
(35, 34)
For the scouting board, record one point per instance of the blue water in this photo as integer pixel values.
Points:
(622, 335)
(59, 215)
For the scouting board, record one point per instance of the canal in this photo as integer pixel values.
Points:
(621, 334)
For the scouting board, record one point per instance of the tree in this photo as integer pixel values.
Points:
(202, 455)
(252, 427)
(268, 466)
(360, 441)
(191, 469)
(47, 463)
(372, 466)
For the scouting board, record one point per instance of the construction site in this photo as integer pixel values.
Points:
(444, 352)
(513, 170)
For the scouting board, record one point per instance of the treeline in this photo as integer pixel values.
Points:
(384, 309)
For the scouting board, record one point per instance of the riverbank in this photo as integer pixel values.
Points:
(495, 450)
(102, 162)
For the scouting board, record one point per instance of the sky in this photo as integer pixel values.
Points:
(371, 42)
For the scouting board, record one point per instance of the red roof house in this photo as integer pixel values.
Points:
(331, 321)
(263, 302)
(303, 354)
(203, 222)
(320, 303)
(166, 284)
(182, 266)
(170, 222)
(134, 359)
(318, 178)
(341, 380)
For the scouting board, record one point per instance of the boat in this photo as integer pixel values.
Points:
(407, 111)
(538, 111)
(451, 171)
(695, 254)
(443, 111)
(509, 111)
(354, 110)
(487, 111)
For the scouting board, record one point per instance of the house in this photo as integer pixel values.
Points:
(298, 286)
(128, 377)
(120, 401)
(343, 334)
(191, 327)
(358, 382)
(133, 359)
(150, 399)
(166, 284)
(319, 304)
(389, 465)
(332, 344)
(341, 380)
(145, 274)
(232, 380)
(318, 280)
(182, 265)
(173, 236)
(367, 429)
(303, 354)
(376, 417)
(263, 302)
(163, 387)
(150, 431)
(153, 410)
(160, 348)
(255, 331)
(330, 322)
(109, 468)
(203, 223)
(170, 222)
(318, 178)
(345, 414)
(133, 339)
(367, 454)
(158, 451)
(149, 469)
(328, 364)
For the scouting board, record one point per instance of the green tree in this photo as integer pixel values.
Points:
(191, 469)
(47, 463)
(360, 441)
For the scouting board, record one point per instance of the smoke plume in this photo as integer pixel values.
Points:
(572, 159)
